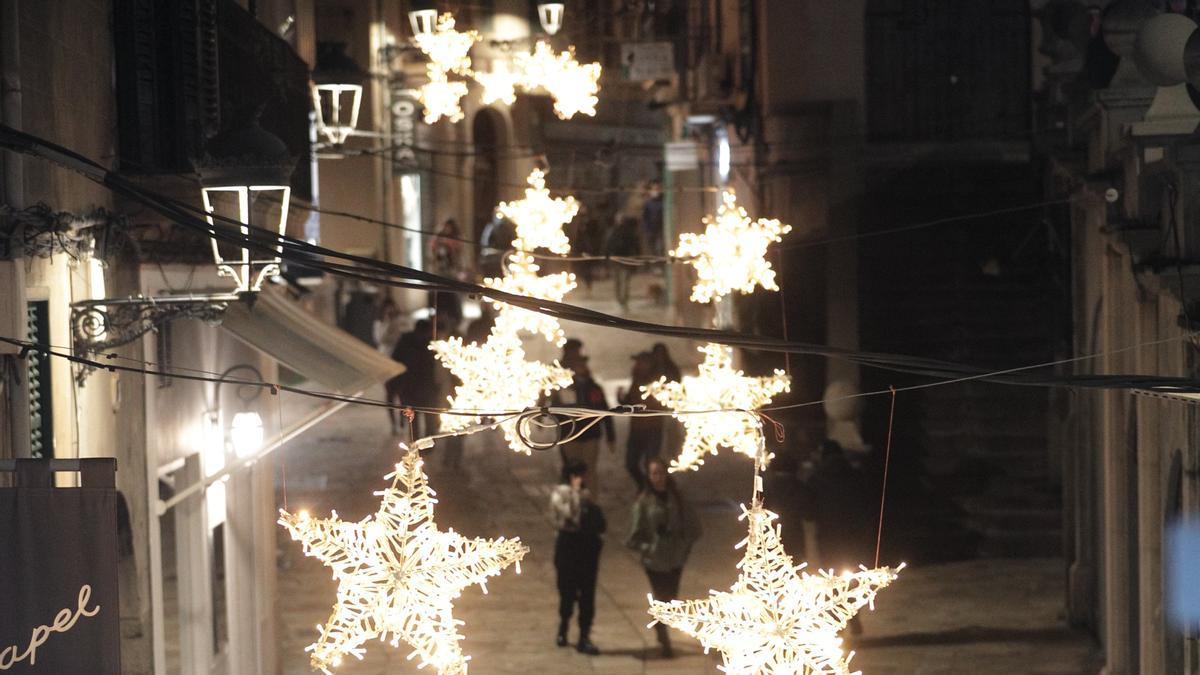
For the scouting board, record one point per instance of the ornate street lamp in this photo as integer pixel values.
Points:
(550, 14)
(423, 16)
(244, 177)
(337, 91)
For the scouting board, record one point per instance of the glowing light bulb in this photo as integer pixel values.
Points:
(731, 254)
(718, 387)
(777, 619)
(398, 575)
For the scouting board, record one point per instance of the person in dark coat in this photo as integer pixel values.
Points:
(622, 241)
(413, 386)
(645, 433)
(580, 524)
(585, 392)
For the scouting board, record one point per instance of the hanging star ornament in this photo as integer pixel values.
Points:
(777, 619)
(398, 575)
(717, 387)
(521, 278)
(449, 50)
(731, 254)
(572, 85)
(539, 219)
(497, 381)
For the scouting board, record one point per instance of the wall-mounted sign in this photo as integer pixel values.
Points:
(641, 61)
(58, 570)
(405, 116)
(682, 156)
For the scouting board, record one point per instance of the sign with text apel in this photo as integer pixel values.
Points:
(58, 570)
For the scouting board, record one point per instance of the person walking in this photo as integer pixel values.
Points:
(584, 392)
(580, 524)
(622, 241)
(663, 529)
(412, 387)
(652, 218)
(645, 433)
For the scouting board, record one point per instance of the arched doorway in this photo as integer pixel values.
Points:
(486, 138)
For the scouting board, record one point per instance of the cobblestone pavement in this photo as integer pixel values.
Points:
(981, 617)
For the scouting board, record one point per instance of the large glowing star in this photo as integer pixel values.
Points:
(521, 278)
(398, 575)
(442, 97)
(718, 387)
(539, 218)
(448, 49)
(497, 382)
(573, 86)
(731, 254)
(777, 619)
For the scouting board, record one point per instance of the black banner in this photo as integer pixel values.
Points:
(58, 570)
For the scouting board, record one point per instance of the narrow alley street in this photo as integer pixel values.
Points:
(977, 616)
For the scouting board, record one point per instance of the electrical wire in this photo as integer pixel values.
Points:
(384, 273)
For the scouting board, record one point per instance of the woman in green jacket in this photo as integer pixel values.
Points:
(663, 530)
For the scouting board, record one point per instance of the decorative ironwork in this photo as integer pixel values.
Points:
(39, 231)
(100, 325)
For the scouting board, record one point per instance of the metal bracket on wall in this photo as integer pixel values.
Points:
(100, 325)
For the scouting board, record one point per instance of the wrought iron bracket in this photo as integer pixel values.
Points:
(100, 325)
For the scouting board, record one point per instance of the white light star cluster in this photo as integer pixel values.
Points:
(449, 52)
(540, 218)
(499, 84)
(496, 378)
(398, 575)
(731, 254)
(777, 619)
(573, 86)
(521, 278)
(718, 386)
(442, 98)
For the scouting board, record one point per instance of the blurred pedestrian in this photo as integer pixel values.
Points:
(445, 249)
(495, 241)
(572, 353)
(587, 242)
(663, 529)
(645, 433)
(652, 218)
(584, 392)
(622, 241)
(664, 365)
(412, 387)
(389, 325)
(580, 524)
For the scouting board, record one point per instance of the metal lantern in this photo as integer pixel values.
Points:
(337, 91)
(423, 16)
(550, 14)
(244, 178)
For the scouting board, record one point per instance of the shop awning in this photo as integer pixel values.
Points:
(334, 360)
(329, 356)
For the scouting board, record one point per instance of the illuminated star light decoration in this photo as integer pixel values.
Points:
(521, 278)
(777, 619)
(539, 218)
(496, 378)
(573, 85)
(718, 386)
(731, 254)
(398, 575)
(449, 52)
(499, 84)
(442, 97)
